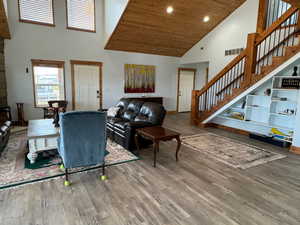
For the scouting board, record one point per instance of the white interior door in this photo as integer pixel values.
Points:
(86, 85)
(186, 86)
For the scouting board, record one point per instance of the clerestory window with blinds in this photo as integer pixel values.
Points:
(37, 12)
(81, 15)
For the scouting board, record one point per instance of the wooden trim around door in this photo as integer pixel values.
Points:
(87, 63)
(178, 82)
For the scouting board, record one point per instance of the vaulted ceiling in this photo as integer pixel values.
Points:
(146, 27)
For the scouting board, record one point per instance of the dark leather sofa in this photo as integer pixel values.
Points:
(5, 125)
(133, 114)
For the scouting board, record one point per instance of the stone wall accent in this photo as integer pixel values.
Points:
(3, 87)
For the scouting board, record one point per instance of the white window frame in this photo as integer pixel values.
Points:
(47, 63)
(37, 22)
(80, 29)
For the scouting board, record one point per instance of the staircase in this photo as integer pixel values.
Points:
(265, 52)
(295, 3)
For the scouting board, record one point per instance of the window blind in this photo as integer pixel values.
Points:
(81, 14)
(39, 11)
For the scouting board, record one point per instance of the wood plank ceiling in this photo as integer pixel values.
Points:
(4, 29)
(146, 27)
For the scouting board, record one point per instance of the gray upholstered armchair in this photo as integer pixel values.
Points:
(82, 140)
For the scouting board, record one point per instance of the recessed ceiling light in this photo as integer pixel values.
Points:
(170, 9)
(206, 19)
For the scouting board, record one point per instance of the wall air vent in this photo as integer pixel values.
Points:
(235, 51)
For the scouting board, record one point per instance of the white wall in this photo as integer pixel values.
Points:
(230, 34)
(41, 42)
(113, 10)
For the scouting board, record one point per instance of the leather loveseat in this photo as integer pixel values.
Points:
(133, 114)
(5, 125)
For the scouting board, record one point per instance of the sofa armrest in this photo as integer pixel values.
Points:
(6, 111)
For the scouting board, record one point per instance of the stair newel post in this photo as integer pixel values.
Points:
(195, 108)
(262, 15)
(251, 54)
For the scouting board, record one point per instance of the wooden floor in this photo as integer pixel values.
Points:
(197, 191)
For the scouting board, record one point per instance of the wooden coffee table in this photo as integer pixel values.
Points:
(42, 136)
(157, 134)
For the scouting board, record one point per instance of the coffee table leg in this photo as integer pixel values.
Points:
(155, 150)
(56, 118)
(178, 147)
(136, 139)
(32, 157)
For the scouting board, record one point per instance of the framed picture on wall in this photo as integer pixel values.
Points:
(139, 78)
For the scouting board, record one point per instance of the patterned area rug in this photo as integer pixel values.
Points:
(13, 171)
(230, 152)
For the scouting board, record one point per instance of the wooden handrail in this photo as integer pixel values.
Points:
(235, 61)
(293, 2)
(275, 47)
(276, 24)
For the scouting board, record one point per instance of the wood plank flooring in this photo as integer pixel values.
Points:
(197, 191)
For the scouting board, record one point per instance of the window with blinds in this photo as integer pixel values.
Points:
(48, 80)
(81, 15)
(37, 11)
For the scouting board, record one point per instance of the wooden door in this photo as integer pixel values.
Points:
(87, 91)
(186, 86)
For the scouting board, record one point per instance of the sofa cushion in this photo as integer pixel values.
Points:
(129, 115)
(132, 110)
(122, 104)
(151, 112)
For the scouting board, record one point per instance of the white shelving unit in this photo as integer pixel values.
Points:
(263, 112)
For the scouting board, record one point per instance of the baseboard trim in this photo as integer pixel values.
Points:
(171, 112)
(205, 125)
(295, 149)
(231, 129)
